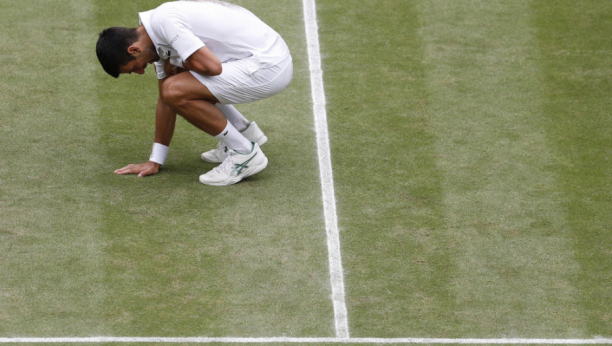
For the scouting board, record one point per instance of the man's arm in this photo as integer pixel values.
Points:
(176, 31)
(205, 62)
(165, 119)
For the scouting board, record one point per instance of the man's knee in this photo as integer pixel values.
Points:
(171, 92)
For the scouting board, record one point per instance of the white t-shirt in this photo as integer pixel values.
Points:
(180, 28)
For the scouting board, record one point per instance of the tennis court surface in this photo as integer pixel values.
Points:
(468, 183)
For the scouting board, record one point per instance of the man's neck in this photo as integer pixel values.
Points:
(143, 35)
(147, 43)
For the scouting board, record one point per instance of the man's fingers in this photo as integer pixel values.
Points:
(124, 170)
(129, 169)
(144, 173)
(142, 169)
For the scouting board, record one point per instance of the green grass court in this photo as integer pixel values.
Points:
(471, 145)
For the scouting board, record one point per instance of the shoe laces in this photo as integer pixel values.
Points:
(227, 161)
(221, 147)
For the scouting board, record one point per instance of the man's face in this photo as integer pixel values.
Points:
(135, 66)
(143, 57)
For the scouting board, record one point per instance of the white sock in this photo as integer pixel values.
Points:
(233, 116)
(234, 140)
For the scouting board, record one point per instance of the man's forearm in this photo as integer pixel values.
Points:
(203, 61)
(165, 119)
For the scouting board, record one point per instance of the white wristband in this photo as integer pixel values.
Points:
(159, 153)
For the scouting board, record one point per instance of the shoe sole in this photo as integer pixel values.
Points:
(233, 180)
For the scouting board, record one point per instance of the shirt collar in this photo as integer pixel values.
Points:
(145, 20)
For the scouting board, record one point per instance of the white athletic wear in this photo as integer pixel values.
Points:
(180, 28)
(253, 133)
(236, 167)
(256, 64)
(159, 153)
(233, 139)
(241, 82)
(233, 116)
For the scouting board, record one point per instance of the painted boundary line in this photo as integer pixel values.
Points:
(205, 340)
(325, 167)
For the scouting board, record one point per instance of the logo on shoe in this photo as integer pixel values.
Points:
(240, 166)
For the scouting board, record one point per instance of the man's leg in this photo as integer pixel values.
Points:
(191, 99)
(249, 129)
(239, 84)
(233, 116)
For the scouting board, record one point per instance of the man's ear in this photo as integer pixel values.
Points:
(134, 50)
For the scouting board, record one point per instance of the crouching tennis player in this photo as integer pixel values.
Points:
(208, 55)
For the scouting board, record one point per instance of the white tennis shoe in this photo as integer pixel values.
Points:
(235, 167)
(252, 132)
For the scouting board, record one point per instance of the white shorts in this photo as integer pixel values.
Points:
(243, 81)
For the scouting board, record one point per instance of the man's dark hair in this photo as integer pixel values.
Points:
(112, 48)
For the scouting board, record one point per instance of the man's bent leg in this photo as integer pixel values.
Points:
(194, 102)
(185, 95)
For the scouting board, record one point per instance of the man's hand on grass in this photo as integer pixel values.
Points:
(142, 169)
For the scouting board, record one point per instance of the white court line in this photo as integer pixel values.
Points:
(205, 340)
(325, 167)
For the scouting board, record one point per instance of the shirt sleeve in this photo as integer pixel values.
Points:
(176, 30)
